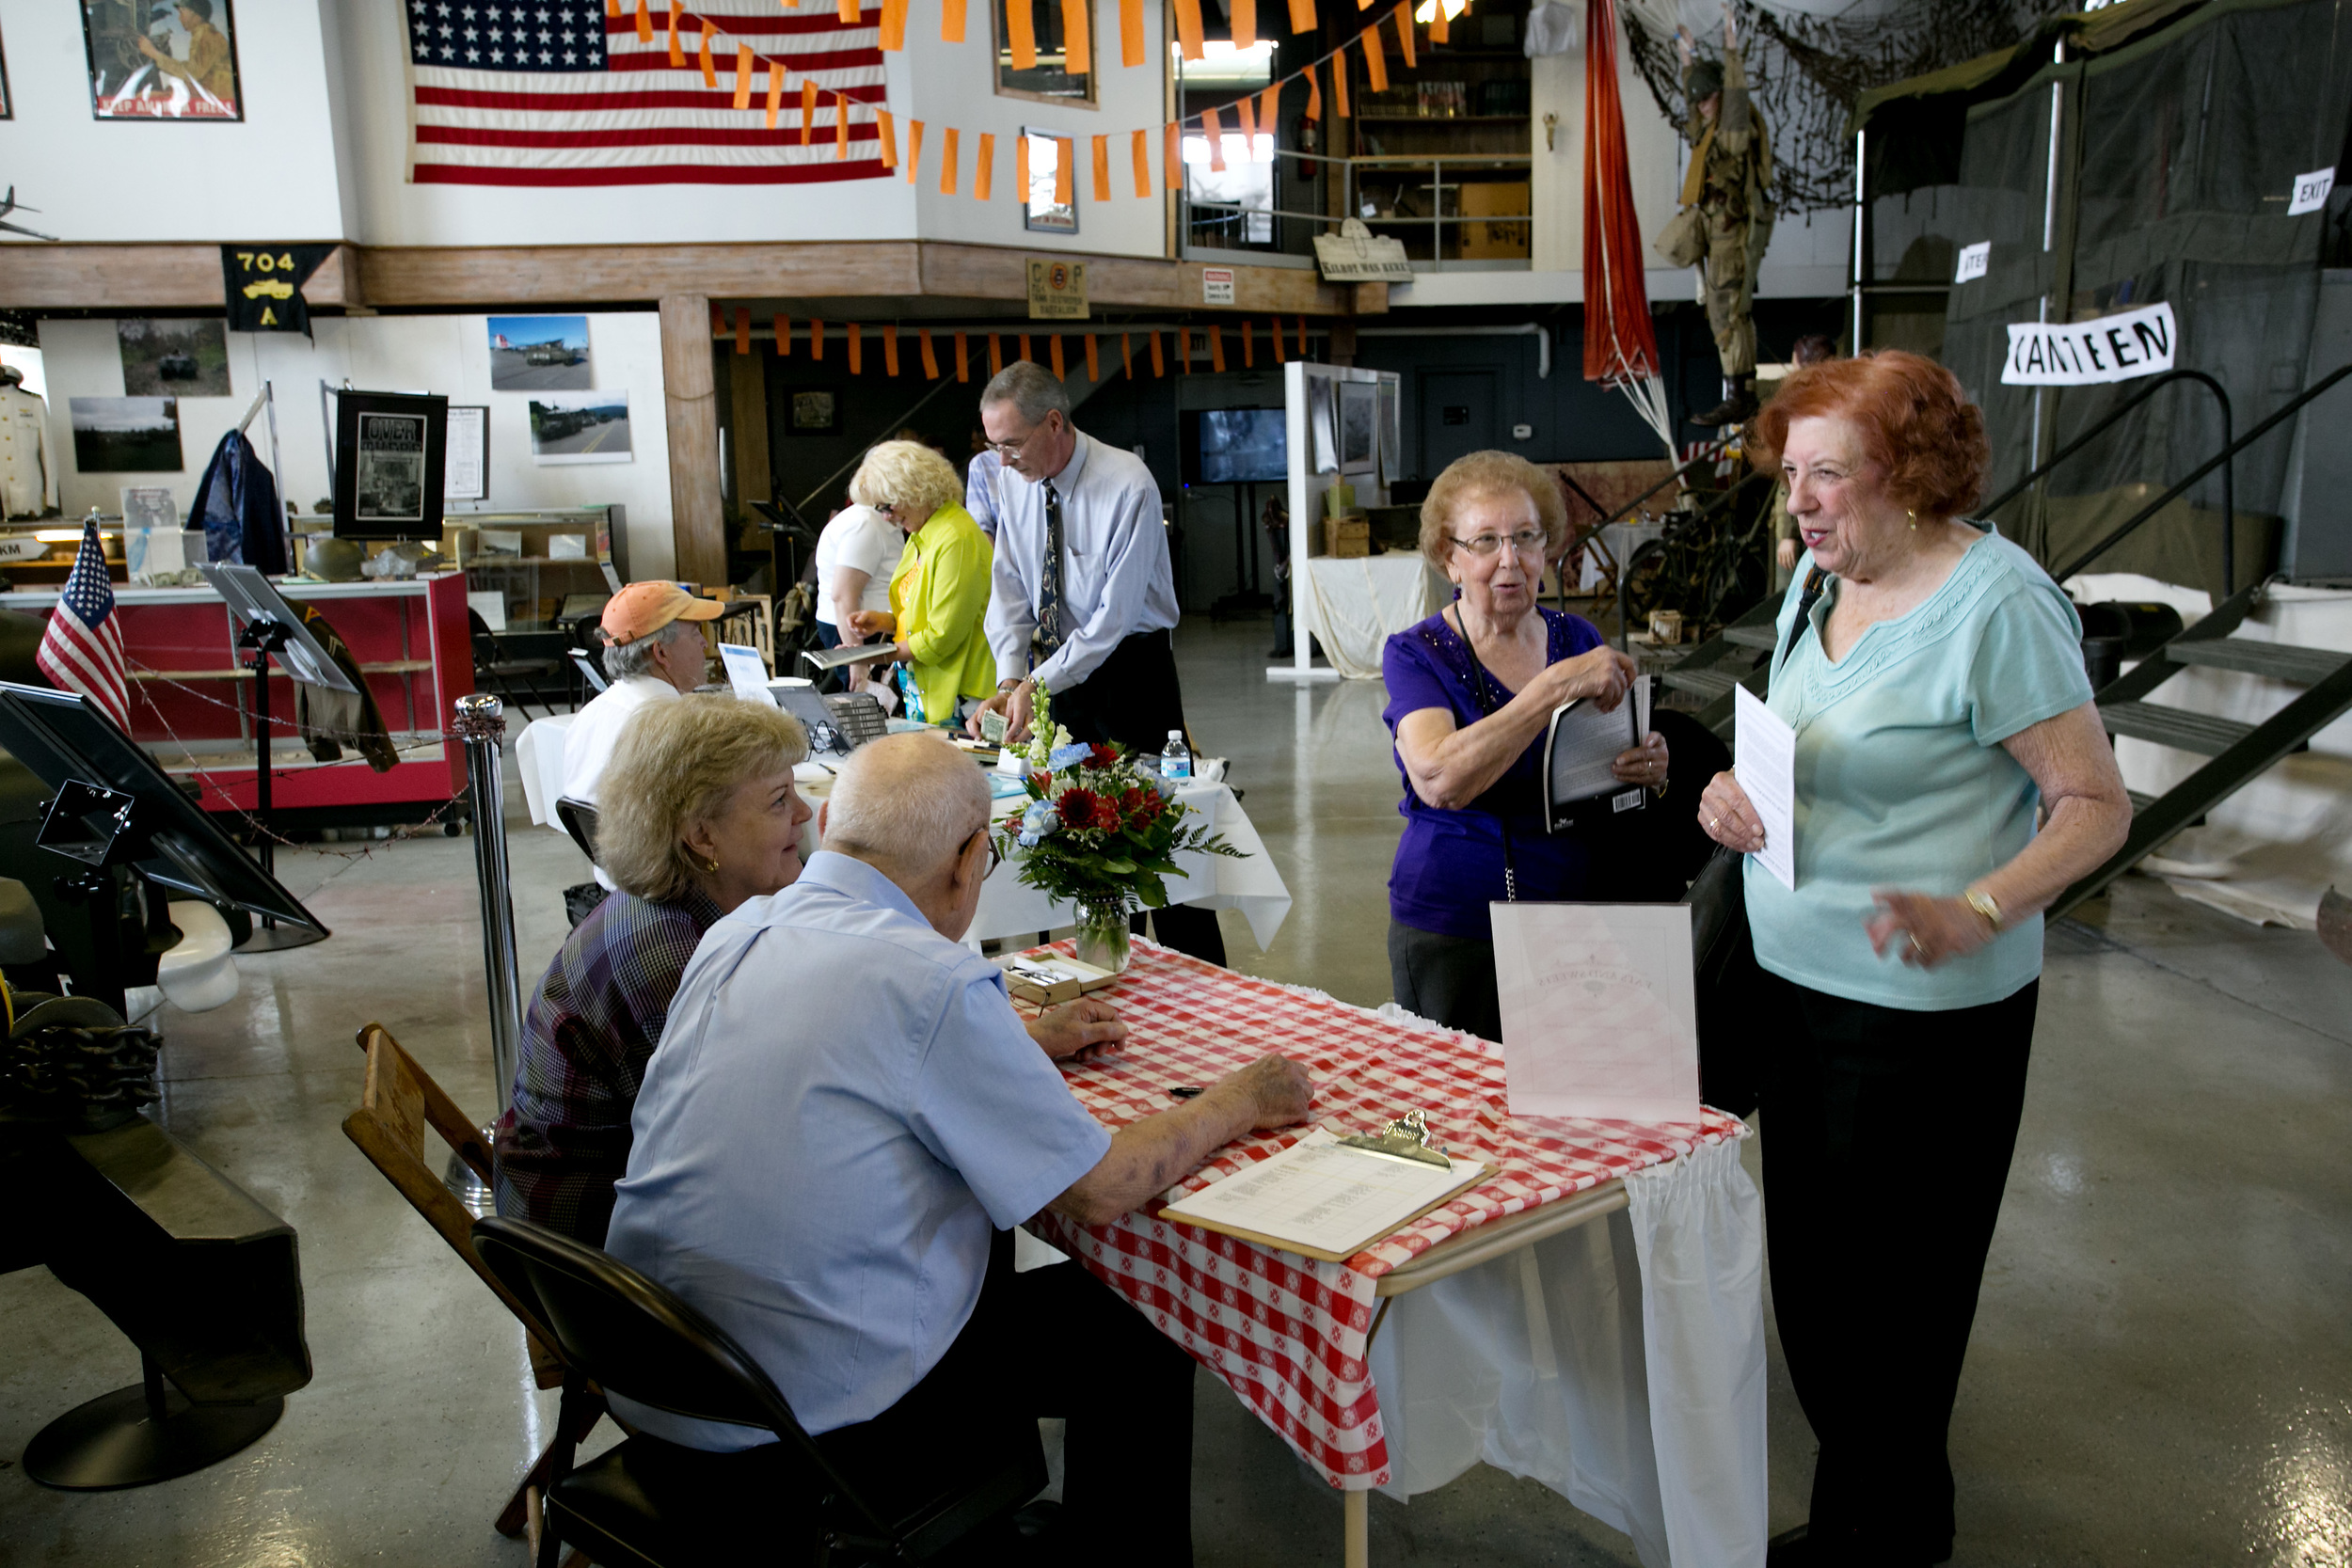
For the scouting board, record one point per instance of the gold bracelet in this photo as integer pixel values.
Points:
(1982, 903)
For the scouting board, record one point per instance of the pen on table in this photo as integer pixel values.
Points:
(1188, 1093)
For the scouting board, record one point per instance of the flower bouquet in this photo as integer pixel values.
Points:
(1100, 834)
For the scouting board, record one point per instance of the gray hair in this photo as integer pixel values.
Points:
(624, 659)
(1031, 388)
(905, 804)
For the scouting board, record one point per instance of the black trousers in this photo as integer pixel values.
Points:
(1134, 699)
(1879, 1221)
(1448, 980)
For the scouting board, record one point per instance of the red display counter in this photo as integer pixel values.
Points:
(192, 704)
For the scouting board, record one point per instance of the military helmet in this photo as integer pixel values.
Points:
(1706, 79)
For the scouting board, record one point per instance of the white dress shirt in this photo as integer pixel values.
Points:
(863, 540)
(597, 729)
(1116, 577)
(981, 481)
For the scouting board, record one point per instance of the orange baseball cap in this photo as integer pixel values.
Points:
(643, 609)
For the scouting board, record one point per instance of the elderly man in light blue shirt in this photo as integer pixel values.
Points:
(1083, 597)
(841, 1125)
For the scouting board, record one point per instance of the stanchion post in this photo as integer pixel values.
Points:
(481, 723)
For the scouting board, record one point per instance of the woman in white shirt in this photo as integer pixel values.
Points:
(856, 557)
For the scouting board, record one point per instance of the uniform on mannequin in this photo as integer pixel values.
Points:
(28, 475)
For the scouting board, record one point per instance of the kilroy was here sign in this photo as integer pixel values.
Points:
(2120, 347)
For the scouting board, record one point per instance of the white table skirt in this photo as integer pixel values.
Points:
(1355, 605)
(1007, 909)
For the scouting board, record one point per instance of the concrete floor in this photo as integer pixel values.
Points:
(2161, 1371)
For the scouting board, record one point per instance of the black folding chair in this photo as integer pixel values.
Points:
(650, 1504)
(580, 820)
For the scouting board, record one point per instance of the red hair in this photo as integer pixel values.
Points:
(1916, 427)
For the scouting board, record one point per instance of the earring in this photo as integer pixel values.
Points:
(712, 869)
(1914, 520)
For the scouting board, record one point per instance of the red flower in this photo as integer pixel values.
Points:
(1140, 806)
(1103, 756)
(1082, 809)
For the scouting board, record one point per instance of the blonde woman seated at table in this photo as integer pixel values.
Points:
(1472, 692)
(1933, 674)
(939, 593)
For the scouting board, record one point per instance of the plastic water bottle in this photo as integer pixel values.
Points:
(1176, 757)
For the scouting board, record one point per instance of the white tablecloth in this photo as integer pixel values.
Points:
(1354, 607)
(1250, 884)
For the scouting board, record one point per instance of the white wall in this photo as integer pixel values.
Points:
(404, 354)
(271, 177)
(957, 88)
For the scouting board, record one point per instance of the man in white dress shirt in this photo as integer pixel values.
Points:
(655, 654)
(1082, 596)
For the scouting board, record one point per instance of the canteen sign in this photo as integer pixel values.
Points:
(2122, 347)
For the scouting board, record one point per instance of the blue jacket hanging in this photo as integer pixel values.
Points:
(236, 506)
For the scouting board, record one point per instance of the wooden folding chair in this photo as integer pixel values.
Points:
(397, 1103)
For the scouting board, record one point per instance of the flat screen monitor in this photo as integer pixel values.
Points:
(1243, 446)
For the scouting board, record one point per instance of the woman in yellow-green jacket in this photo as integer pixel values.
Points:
(939, 594)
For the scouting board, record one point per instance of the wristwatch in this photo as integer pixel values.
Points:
(1004, 686)
(1982, 903)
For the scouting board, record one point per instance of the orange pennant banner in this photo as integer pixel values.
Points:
(1339, 83)
(1376, 60)
(1020, 174)
(1404, 32)
(1065, 173)
(1245, 21)
(742, 330)
(963, 364)
(1248, 345)
(1270, 112)
(1021, 33)
(1101, 168)
(718, 319)
(888, 128)
(890, 348)
(996, 356)
(846, 12)
(1131, 32)
(840, 125)
(1184, 349)
(984, 168)
(1302, 337)
(1173, 162)
(1077, 34)
(1314, 95)
(931, 358)
(894, 24)
(1273, 331)
(1302, 16)
(914, 148)
(1213, 129)
(783, 337)
(742, 75)
(1143, 164)
(1440, 30)
(1052, 352)
(613, 9)
(949, 155)
(1159, 361)
(857, 336)
(1127, 352)
(677, 55)
(808, 109)
(702, 57)
(1189, 34)
(1025, 348)
(775, 92)
(1245, 116)
(951, 21)
(815, 338)
(1216, 348)
(644, 22)
(1094, 365)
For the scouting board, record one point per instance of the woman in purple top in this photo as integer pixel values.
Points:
(1472, 692)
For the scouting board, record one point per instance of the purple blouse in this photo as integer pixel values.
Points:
(1449, 865)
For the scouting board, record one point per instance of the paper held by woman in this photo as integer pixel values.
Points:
(1598, 1017)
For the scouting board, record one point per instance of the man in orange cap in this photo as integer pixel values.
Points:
(654, 653)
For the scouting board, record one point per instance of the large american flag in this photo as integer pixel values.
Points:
(557, 92)
(82, 649)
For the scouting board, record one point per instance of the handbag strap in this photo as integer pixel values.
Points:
(1815, 580)
(1478, 690)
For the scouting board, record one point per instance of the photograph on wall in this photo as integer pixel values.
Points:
(390, 464)
(153, 60)
(815, 414)
(1360, 419)
(126, 436)
(540, 354)
(174, 359)
(591, 427)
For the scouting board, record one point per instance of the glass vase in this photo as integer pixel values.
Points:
(1102, 933)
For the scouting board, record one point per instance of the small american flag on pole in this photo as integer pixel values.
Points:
(81, 649)
(572, 92)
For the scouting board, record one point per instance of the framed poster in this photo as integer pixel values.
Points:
(391, 450)
(815, 414)
(149, 62)
(1360, 422)
(580, 427)
(126, 436)
(465, 471)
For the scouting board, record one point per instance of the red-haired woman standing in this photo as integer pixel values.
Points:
(1935, 683)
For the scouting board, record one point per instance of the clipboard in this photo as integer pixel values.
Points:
(1459, 1177)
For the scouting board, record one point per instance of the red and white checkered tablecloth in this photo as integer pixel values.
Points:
(1287, 1333)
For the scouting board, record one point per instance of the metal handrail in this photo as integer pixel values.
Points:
(2229, 472)
(2227, 454)
(1436, 165)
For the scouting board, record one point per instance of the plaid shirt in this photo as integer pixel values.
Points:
(587, 1037)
